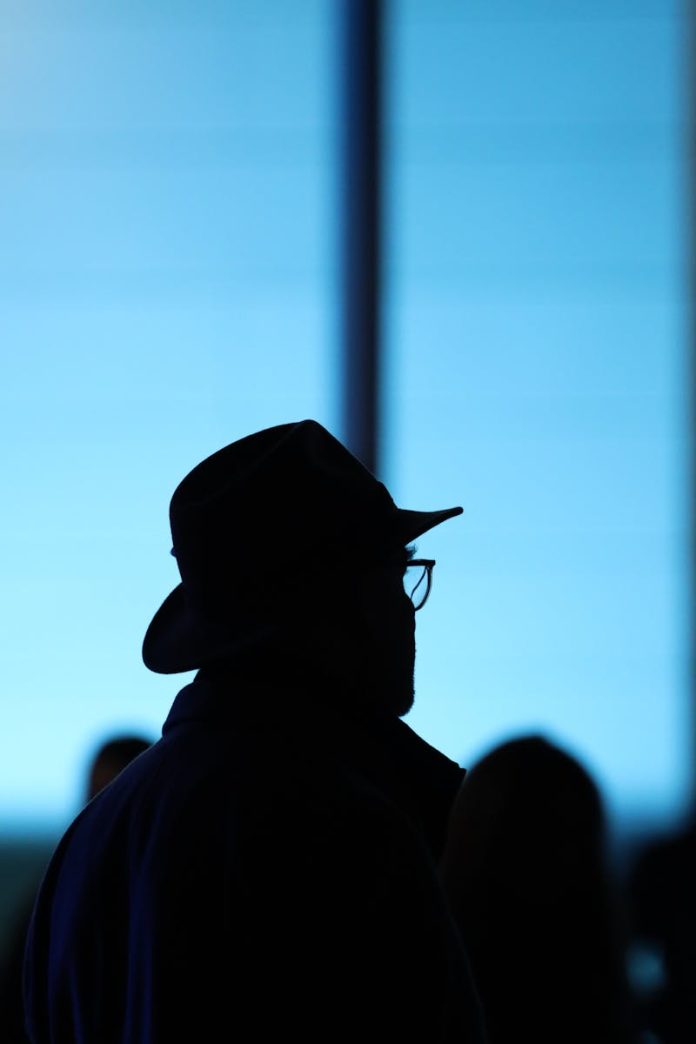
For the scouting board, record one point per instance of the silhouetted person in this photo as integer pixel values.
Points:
(267, 871)
(526, 876)
(663, 895)
(110, 758)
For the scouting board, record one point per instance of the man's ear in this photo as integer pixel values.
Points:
(339, 641)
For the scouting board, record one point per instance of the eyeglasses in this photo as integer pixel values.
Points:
(418, 579)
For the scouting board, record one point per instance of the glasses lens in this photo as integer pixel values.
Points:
(417, 584)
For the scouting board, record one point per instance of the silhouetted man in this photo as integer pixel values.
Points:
(267, 870)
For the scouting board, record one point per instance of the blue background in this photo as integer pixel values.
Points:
(168, 283)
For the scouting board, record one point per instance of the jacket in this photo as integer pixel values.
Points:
(266, 870)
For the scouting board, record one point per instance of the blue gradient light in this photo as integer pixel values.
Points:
(167, 284)
(537, 375)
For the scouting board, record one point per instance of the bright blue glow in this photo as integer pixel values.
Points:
(537, 376)
(166, 286)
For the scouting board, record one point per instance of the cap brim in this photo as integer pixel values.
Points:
(176, 641)
(412, 524)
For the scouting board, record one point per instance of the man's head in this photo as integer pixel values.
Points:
(286, 528)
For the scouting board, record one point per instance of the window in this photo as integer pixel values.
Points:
(537, 376)
(166, 181)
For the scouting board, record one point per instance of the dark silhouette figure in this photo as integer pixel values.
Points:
(525, 873)
(108, 760)
(267, 871)
(662, 885)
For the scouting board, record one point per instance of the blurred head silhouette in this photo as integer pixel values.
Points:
(536, 818)
(525, 870)
(110, 758)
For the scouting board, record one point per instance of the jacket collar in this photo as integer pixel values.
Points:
(419, 779)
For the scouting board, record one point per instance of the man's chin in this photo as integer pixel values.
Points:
(404, 699)
(406, 706)
(392, 695)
